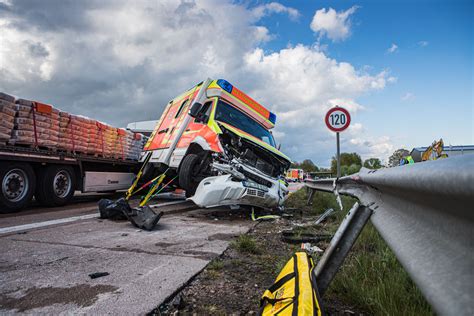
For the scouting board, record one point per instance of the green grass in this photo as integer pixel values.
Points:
(246, 244)
(216, 265)
(371, 279)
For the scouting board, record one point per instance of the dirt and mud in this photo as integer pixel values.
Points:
(36, 297)
(233, 283)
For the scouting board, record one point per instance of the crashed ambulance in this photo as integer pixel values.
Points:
(218, 142)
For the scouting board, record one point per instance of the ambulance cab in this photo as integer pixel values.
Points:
(218, 141)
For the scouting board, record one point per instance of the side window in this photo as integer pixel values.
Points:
(181, 108)
(204, 113)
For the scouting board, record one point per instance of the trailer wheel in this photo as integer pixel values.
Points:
(56, 185)
(17, 186)
(188, 172)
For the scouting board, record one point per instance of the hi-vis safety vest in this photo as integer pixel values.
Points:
(294, 291)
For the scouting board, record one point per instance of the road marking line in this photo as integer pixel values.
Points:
(46, 223)
(13, 229)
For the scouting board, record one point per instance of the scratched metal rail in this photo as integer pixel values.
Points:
(425, 213)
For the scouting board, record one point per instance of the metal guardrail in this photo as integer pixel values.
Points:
(425, 213)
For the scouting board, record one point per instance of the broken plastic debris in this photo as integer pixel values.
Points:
(143, 217)
(308, 247)
(264, 217)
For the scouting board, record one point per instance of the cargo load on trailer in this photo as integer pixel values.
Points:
(49, 153)
(218, 142)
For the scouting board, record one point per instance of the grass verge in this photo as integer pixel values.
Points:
(371, 278)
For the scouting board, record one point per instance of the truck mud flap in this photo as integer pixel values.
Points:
(143, 217)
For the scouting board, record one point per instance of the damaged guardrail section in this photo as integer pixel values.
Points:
(425, 213)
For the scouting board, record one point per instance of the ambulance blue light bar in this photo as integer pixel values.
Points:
(272, 118)
(224, 84)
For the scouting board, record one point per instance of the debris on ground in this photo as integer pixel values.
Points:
(143, 217)
(293, 236)
(323, 216)
(310, 248)
(264, 217)
(233, 283)
(96, 275)
(113, 210)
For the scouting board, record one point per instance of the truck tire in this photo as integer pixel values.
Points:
(18, 182)
(56, 185)
(187, 174)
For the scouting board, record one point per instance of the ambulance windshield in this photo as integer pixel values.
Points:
(230, 115)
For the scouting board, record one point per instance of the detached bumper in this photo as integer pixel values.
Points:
(224, 190)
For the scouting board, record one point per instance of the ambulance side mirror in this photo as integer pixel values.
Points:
(279, 146)
(195, 108)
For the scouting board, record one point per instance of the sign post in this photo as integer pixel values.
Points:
(337, 120)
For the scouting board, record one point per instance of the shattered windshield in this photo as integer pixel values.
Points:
(230, 115)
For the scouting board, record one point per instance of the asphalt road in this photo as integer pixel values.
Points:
(48, 254)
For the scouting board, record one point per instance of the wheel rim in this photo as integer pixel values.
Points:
(15, 185)
(62, 184)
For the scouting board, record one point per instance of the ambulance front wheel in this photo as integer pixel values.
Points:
(188, 174)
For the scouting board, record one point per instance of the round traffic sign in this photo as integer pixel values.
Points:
(337, 119)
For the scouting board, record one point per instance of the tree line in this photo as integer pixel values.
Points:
(351, 163)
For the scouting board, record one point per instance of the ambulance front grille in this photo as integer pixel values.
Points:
(255, 192)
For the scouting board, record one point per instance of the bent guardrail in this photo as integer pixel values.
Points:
(425, 213)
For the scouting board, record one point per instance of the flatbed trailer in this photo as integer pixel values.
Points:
(52, 177)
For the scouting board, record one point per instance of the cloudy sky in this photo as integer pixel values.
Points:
(404, 69)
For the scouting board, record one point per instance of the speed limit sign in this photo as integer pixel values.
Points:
(338, 119)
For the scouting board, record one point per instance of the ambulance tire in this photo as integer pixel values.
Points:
(187, 173)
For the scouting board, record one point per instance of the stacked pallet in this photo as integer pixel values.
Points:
(136, 146)
(7, 116)
(35, 124)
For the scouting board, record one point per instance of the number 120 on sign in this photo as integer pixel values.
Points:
(337, 119)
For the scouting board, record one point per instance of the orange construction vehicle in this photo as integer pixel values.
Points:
(218, 142)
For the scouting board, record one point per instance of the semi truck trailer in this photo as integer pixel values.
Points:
(53, 177)
(47, 154)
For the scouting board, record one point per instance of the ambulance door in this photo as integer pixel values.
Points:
(161, 137)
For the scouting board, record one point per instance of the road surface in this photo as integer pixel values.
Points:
(48, 254)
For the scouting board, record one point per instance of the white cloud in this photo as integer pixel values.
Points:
(274, 7)
(373, 147)
(392, 49)
(407, 96)
(423, 43)
(121, 62)
(335, 25)
(301, 100)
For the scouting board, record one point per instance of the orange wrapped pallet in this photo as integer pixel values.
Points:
(7, 116)
(49, 154)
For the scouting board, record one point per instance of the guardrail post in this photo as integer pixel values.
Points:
(340, 245)
(310, 196)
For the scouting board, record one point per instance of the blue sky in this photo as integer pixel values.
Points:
(433, 64)
(403, 68)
